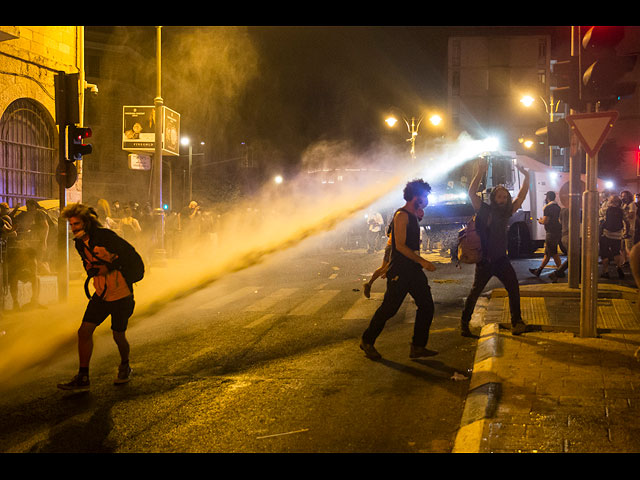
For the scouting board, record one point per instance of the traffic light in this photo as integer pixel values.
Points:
(556, 133)
(605, 74)
(74, 146)
(565, 77)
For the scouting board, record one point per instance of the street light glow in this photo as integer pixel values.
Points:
(391, 121)
(278, 179)
(527, 100)
(435, 119)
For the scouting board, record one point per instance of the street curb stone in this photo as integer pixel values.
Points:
(485, 389)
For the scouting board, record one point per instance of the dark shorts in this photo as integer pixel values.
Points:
(120, 310)
(551, 243)
(609, 248)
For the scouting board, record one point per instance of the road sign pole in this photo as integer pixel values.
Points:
(575, 189)
(592, 130)
(590, 236)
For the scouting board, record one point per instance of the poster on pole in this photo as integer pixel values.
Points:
(171, 132)
(139, 130)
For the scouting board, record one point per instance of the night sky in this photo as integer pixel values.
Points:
(309, 83)
(332, 83)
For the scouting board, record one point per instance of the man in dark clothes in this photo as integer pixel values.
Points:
(553, 228)
(492, 222)
(405, 275)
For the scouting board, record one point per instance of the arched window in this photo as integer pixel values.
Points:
(28, 153)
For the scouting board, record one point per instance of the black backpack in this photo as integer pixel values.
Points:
(129, 261)
(613, 219)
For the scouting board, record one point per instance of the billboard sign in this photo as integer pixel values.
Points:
(139, 130)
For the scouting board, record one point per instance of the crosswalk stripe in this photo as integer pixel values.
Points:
(262, 319)
(226, 299)
(315, 303)
(270, 300)
(364, 307)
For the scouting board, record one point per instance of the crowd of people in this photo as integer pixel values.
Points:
(28, 238)
(619, 221)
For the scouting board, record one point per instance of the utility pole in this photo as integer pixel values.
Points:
(590, 236)
(159, 253)
(575, 189)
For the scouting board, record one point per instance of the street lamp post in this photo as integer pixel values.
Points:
(185, 141)
(413, 127)
(160, 253)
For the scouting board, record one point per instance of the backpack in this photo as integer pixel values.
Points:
(469, 244)
(129, 262)
(613, 219)
(133, 269)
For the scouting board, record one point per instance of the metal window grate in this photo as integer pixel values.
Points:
(28, 150)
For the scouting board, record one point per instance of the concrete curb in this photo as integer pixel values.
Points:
(485, 388)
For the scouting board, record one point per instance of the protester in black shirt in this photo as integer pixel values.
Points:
(553, 229)
(405, 275)
(492, 222)
(613, 226)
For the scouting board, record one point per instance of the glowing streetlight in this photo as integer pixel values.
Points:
(186, 142)
(413, 127)
(527, 100)
(435, 120)
(278, 179)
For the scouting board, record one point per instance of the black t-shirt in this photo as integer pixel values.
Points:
(492, 227)
(399, 262)
(552, 212)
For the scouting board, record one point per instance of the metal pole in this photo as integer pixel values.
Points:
(63, 226)
(413, 138)
(574, 199)
(574, 213)
(190, 172)
(160, 253)
(590, 234)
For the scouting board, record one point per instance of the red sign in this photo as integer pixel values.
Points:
(592, 129)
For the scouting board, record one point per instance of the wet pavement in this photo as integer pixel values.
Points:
(550, 390)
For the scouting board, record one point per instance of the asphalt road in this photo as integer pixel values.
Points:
(263, 360)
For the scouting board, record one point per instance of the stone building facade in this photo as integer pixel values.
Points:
(30, 57)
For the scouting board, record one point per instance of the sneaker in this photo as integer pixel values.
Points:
(518, 328)
(417, 352)
(367, 290)
(77, 384)
(535, 271)
(124, 374)
(370, 351)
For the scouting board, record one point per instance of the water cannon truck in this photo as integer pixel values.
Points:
(450, 208)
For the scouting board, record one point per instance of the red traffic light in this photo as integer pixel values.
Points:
(74, 148)
(602, 37)
(82, 132)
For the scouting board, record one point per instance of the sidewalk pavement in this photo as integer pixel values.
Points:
(550, 390)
